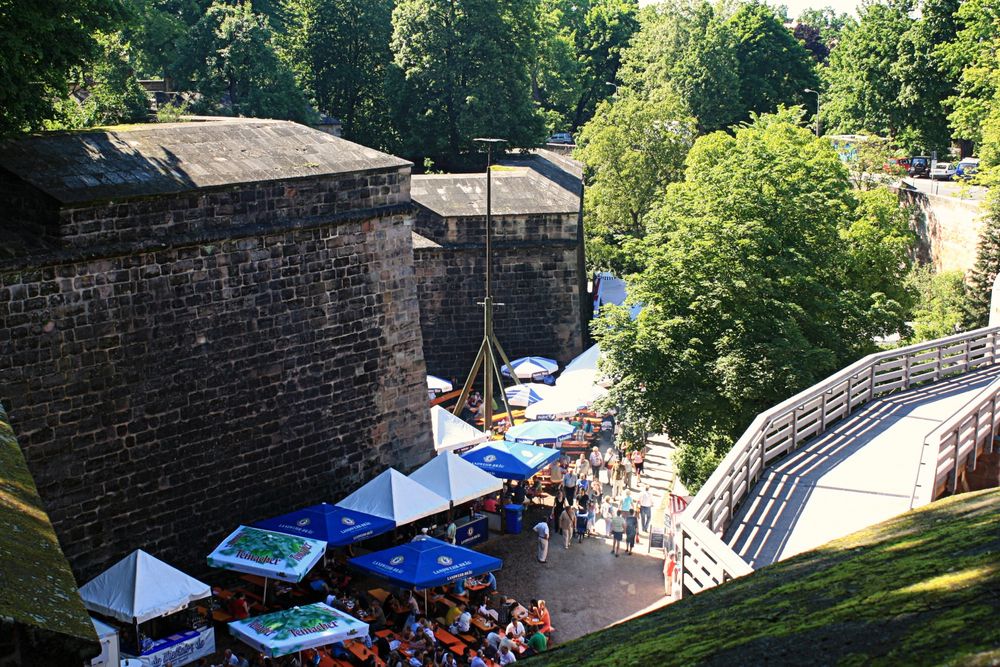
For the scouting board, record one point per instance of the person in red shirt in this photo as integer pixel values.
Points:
(238, 607)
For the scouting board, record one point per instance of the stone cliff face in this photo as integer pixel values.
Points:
(206, 346)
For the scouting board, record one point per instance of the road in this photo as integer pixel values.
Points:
(959, 189)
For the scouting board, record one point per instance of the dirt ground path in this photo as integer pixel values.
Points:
(585, 587)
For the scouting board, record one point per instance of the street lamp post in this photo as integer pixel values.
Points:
(816, 93)
(485, 358)
(615, 85)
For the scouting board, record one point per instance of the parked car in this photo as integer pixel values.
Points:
(942, 171)
(920, 165)
(897, 165)
(561, 138)
(967, 168)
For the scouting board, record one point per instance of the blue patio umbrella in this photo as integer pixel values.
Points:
(337, 526)
(539, 433)
(425, 563)
(511, 460)
(534, 368)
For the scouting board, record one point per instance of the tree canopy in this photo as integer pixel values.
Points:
(465, 73)
(40, 43)
(761, 272)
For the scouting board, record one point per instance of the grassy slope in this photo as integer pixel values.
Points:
(37, 587)
(920, 589)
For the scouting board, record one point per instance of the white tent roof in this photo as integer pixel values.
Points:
(141, 587)
(395, 496)
(451, 432)
(454, 478)
(566, 400)
(585, 362)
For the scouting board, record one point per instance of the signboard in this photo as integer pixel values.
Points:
(655, 539)
(473, 533)
(199, 644)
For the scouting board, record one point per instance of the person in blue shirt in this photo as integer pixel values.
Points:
(460, 587)
(491, 581)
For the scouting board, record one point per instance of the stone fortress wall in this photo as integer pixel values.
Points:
(187, 344)
(538, 272)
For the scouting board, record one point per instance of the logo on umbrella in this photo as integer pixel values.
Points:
(396, 560)
(302, 523)
(472, 531)
(445, 560)
(526, 453)
(489, 458)
(347, 521)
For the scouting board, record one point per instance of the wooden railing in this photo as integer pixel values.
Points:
(957, 442)
(707, 562)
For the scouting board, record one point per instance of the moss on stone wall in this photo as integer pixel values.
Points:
(37, 587)
(920, 589)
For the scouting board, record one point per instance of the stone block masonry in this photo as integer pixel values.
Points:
(537, 264)
(539, 290)
(178, 363)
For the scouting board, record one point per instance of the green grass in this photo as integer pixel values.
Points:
(37, 587)
(920, 589)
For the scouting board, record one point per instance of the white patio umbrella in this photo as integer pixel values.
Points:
(436, 386)
(527, 368)
(523, 395)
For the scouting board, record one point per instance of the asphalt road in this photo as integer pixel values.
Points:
(959, 189)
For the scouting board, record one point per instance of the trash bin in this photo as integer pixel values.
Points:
(514, 515)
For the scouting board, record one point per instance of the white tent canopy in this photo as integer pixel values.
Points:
(451, 432)
(585, 362)
(140, 587)
(393, 495)
(566, 401)
(454, 478)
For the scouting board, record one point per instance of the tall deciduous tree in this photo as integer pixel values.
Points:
(632, 149)
(725, 66)
(761, 274)
(40, 42)
(107, 89)
(973, 60)
(773, 67)
(465, 73)
(230, 59)
(339, 51)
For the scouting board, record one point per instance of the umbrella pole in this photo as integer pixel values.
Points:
(264, 600)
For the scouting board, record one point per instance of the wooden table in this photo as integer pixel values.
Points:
(476, 587)
(361, 652)
(379, 594)
(483, 624)
(533, 621)
(451, 641)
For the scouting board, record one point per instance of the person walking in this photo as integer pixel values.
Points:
(638, 459)
(596, 463)
(558, 505)
(629, 470)
(582, 518)
(542, 530)
(631, 529)
(617, 528)
(583, 467)
(627, 501)
(569, 486)
(566, 520)
(646, 508)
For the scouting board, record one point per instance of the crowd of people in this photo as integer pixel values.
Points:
(584, 505)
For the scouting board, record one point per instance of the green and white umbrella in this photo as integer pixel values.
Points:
(267, 554)
(297, 629)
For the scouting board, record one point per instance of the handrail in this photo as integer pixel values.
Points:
(782, 428)
(954, 442)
